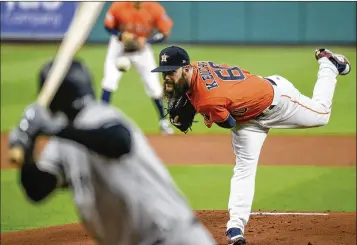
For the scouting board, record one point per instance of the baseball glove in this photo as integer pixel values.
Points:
(130, 42)
(181, 112)
(131, 46)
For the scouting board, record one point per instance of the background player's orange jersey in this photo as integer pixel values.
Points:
(141, 22)
(218, 91)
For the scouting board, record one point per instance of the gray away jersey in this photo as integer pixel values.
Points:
(128, 201)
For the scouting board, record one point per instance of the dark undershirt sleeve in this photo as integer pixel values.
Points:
(111, 141)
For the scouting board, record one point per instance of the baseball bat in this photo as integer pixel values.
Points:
(77, 33)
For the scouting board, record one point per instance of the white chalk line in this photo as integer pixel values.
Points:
(297, 214)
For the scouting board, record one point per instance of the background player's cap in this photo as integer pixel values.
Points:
(172, 58)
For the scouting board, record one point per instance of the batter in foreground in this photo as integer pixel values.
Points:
(249, 105)
(123, 193)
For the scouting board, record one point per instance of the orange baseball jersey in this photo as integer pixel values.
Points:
(141, 22)
(218, 91)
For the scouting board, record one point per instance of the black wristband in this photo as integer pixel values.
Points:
(37, 184)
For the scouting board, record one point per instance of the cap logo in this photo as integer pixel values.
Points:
(164, 58)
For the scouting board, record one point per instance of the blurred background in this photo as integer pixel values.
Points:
(258, 23)
(203, 22)
(265, 38)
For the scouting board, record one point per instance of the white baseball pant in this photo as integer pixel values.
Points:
(143, 61)
(292, 110)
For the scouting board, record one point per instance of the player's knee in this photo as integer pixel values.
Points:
(154, 93)
(325, 122)
(109, 84)
(153, 88)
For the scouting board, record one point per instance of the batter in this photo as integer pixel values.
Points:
(123, 193)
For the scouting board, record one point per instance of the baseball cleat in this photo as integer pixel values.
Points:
(165, 127)
(340, 61)
(235, 236)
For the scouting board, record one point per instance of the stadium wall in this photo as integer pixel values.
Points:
(201, 22)
(256, 22)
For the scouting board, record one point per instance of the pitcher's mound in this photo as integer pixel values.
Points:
(265, 229)
(288, 229)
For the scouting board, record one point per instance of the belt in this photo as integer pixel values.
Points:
(271, 106)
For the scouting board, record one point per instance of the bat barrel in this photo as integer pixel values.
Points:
(83, 21)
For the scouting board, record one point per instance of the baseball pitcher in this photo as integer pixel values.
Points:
(249, 105)
(122, 191)
(132, 27)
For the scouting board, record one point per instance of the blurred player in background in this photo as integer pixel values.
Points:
(132, 26)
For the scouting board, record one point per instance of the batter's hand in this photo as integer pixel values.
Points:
(24, 141)
(24, 135)
(37, 120)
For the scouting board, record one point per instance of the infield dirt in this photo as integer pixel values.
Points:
(331, 229)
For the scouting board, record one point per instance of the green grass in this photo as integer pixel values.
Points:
(17, 213)
(206, 187)
(20, 65)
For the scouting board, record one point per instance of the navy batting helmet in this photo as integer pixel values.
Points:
(73, 92)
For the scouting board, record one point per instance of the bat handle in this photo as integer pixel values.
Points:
(16, 155)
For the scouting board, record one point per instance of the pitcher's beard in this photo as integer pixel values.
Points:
(180, 88)
(175, 90)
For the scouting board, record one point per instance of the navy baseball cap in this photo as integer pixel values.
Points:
(172, 58)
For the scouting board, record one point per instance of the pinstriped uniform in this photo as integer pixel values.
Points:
(131, 200)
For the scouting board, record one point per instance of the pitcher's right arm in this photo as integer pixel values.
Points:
(216, 112)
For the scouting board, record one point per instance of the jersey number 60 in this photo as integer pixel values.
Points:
(229, 77)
